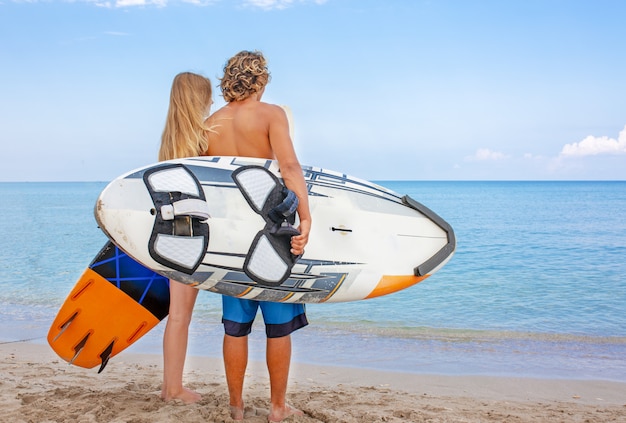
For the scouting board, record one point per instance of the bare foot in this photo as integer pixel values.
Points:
(278, 415)
(236, 413)
(187, 396)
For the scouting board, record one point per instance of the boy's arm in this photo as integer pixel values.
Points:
(291, 172)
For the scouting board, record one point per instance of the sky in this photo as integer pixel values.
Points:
(380, 90)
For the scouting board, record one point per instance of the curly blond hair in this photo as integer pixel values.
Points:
(244, 74)
(185, 133)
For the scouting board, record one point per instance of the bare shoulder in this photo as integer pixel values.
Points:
(273, 111)
(216, 118)
(221, 113)
(269, 107)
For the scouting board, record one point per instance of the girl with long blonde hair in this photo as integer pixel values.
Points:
(185, 135)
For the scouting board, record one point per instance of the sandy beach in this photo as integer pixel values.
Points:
(37, 386)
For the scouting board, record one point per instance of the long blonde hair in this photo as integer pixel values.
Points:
(185, 133)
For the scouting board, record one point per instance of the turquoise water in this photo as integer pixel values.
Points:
(537, 286)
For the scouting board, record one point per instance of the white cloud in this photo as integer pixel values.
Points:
(483, 154)
(268, 4)
(260, 4)
(593, 146)
(531, 156)
(278, 4)
(127, 3)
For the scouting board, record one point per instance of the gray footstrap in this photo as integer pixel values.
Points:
(191, 207)
(180, 235)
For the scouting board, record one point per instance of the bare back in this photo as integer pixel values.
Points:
(249, 128)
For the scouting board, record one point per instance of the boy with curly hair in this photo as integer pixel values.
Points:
(248, 127)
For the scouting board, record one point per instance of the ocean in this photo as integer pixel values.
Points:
(536, 288)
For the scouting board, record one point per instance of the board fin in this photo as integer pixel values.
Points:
(88, 324)
(65, 325)
(106, 354)
(79, 348)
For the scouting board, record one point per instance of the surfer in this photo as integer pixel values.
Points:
(248, 127)
(185, 135)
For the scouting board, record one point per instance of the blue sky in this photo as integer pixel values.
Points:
(382, 90)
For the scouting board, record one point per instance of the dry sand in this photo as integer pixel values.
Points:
(37, 386)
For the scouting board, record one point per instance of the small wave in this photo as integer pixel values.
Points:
(471, 335)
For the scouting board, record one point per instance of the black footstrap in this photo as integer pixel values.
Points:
(269, 260)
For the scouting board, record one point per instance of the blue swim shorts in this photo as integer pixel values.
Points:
(281, 319)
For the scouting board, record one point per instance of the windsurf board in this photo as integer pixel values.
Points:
(205, 222)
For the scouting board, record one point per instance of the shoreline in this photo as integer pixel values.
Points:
(39, 386)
